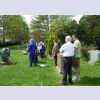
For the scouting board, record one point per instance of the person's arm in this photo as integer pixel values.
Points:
(62, 48)
(75, 47)
(75, 50)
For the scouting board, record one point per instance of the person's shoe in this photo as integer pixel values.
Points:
(70, 81)
(76, 79)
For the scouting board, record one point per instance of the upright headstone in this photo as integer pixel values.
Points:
(93, 55)
(5, 55)
(59, 62)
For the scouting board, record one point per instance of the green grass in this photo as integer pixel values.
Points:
(20, 74)
(90, 75)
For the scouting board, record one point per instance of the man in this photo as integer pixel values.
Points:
(32, 52)
(76, 58)
(55, 50)
(42, 49)
(68, 51)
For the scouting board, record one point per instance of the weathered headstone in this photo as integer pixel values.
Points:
(59, 62)
(93, 55)
(5, 55)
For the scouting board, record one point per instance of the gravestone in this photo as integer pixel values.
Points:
(5, 55)
(59, 62)
(93, 55)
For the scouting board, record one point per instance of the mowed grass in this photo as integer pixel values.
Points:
(90, 75)
(20, 74)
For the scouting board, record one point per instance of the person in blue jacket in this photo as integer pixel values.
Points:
(42, 50)
(32, 52)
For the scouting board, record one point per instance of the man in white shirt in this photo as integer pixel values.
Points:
(68, 51)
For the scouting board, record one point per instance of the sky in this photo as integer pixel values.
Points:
(29, 17)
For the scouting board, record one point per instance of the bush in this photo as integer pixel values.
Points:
(49, 43)
(8, 44)
(85, 49)
(97, 63)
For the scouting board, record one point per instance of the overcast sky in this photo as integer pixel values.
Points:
(29, 17)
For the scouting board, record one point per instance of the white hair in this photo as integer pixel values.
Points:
(68, 38)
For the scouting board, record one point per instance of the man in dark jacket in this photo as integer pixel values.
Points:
(55, 50)
(42, 49)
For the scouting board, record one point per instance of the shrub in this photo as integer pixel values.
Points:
(97, 63)
(49, 43)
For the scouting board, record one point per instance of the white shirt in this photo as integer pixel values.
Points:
(67, 49)
(40, 46)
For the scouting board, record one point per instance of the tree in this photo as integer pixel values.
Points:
(90, 29)
(49, 43)
(13, 27)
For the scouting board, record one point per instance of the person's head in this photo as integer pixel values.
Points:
(74, 37)
(40, 43)
(68, 39)
(54, 41)
(31, 40)
(26, 44)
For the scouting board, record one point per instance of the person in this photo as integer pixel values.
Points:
(36, 52)
(42, 50)
(55, 50)
(38, 49)
(68, 51)
(32, 52)
(26, 48)
(76, 58)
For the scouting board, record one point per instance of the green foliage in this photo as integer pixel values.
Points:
(97, 63)
(85, 49)
(14, 28)
(49, 43)
(56, 24)
(89, 29)
(40, 23)
(39, 35)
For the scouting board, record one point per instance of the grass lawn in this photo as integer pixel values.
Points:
(20, 74)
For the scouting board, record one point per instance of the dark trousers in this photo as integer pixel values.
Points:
(55, 59)
(41, 53)
(32, 59)
(67, 69)
(36, 58)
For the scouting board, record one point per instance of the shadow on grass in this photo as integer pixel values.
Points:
(88, 81)
(14, 63)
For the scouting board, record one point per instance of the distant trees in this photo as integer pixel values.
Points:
(14, 28)
(59, 25)
(89, 29)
